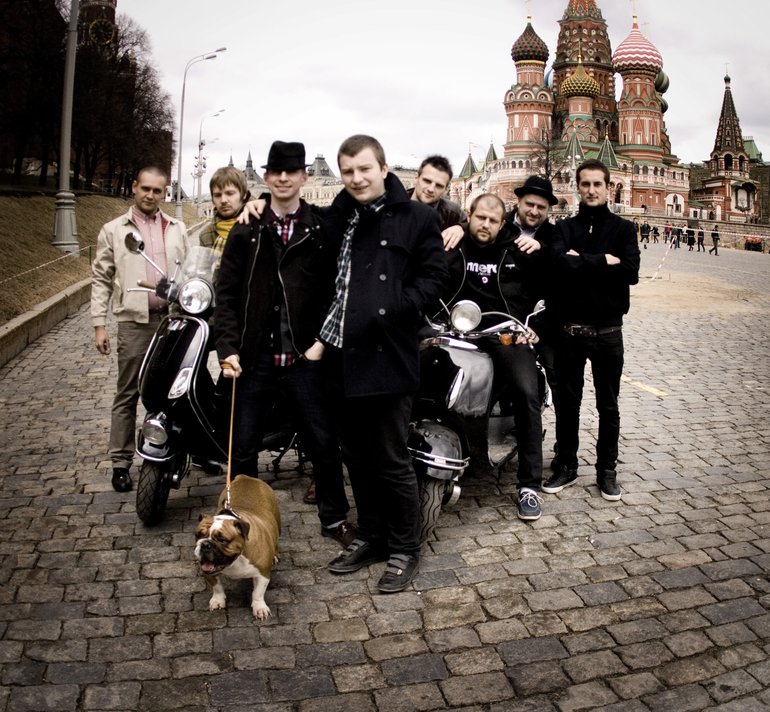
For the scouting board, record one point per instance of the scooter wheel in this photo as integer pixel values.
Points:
(433, 495)
(152, 491)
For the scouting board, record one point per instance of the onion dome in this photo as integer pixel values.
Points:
(663, 105)
(661, 82)
(529, 47)
(580, 83)
(636, 52)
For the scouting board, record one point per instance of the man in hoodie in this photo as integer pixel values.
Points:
(596, 258)
(498, 269)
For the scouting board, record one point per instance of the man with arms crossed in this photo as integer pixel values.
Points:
(596, 258)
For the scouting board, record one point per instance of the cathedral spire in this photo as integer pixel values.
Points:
(729, 136)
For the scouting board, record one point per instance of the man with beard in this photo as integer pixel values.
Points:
(498, 270)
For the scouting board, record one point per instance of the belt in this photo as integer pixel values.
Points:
(582, 330)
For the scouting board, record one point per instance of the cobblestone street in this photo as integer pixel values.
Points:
(659, 602)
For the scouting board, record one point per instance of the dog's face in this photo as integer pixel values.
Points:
(219, 542)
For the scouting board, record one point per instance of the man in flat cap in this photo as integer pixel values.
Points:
(275, 285)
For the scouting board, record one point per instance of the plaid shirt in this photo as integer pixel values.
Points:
(331, 332)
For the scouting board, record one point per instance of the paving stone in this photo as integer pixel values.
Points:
(724, 688)
(480, 689)
(588, 696)
(414, 669)
(730, 611)
(353, 678)
(688, 698)
(396, 646)
(695, 669)
(537, 678)
(410, 698)
(295, 684)
(634, 686)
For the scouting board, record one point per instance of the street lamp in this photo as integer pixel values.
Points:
(199, 168)
(194, 60)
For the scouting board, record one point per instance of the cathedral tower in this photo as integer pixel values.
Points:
(583, 35)
(529, 102)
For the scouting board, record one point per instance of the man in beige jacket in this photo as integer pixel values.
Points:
(115, 271)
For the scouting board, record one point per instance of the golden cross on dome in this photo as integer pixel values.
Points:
(529, 10)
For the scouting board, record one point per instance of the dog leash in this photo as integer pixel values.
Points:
(228, 509)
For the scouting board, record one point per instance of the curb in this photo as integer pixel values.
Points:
(21, 331)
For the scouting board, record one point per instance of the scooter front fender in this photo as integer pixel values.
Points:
(436, 450)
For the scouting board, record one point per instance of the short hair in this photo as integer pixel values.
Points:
(593, 164)
(229, 175)
(440, 163)
(486, 196)
(151, 168)
(353, 145)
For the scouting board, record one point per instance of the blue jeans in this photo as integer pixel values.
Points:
(605, 352)
(306, 386)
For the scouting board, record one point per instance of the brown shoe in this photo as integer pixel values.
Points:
(344, 533)
(309, 496)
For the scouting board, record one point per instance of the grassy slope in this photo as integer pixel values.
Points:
(31, 269)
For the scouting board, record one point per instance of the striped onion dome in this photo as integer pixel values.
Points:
(580, 83)
(636, 52)
(529, 47)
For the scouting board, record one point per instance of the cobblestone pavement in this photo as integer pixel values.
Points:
(660, 602)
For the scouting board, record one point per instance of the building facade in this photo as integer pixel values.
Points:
(559, 117)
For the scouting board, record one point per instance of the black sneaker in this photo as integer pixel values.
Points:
(358, 554)
(121, 480)
(563, 477)
(399, 571)
(529, 504)
(607, 481)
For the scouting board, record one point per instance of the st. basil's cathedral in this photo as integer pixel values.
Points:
(556, 121)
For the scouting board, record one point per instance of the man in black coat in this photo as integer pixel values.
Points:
(596, 258)
(391, 267)
(433, 178)
(275, 284)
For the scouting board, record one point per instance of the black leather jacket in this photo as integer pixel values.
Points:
(253, 282)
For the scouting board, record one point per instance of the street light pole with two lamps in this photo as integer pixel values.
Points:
(200, 167)
(194, 60)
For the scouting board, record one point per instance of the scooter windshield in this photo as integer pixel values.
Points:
(200, 262)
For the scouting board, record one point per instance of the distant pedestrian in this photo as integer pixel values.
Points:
(715, 240)
(667, 232)
(644, 234)
(675, 233)
(655, 234)
(701, 238)
(690, 239)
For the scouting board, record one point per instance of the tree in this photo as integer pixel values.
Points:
(548, 155)
(123, 119)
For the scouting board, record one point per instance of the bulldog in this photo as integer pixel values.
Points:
(241, 542)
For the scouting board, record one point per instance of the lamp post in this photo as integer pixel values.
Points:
(200, 168)
(194, 60)
(65, 233)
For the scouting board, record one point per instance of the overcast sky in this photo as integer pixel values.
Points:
(424, 76)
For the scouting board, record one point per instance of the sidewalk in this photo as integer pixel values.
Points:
(660, 602)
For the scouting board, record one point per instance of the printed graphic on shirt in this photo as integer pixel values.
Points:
(481, 272)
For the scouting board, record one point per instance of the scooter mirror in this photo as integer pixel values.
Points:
(539, 307)
(134, 243)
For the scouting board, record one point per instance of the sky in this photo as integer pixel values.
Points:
(423, 76)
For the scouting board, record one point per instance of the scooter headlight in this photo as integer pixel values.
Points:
(181, 384)
(465, 316)
(155, 430)
(195, 296)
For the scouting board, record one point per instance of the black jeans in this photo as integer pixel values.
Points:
(306, 384)
(605, 352)
(516, 367)
(373, 432)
